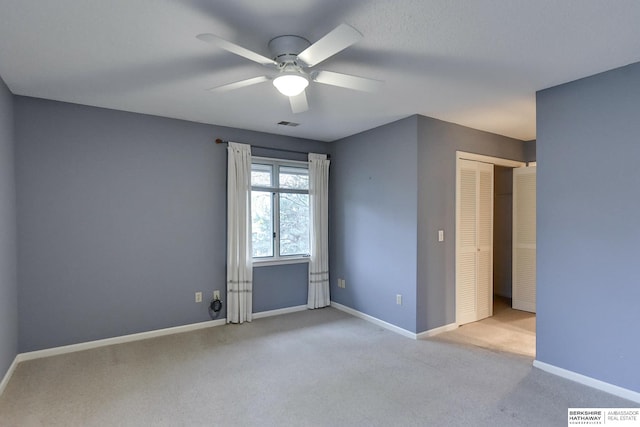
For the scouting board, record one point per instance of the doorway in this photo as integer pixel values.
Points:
(474, 234)
(502, 324)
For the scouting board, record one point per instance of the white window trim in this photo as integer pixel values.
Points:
(276, 259)
(273, 160)
(266, 262)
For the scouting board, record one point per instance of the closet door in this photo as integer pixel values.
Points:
(485, 240)
(474, 241)
(524, 239)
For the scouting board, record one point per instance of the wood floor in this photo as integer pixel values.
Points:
(509, 330)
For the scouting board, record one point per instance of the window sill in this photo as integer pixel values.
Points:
(281, 261)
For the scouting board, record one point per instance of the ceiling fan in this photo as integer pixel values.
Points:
(294, 56)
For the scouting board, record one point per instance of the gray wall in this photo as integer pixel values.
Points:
(373, 223)
(438, 142)
(8, 281)
(279, 286)
(121, 219)
(392, 189)
(588, 281)
(530, 150)
(502, 231)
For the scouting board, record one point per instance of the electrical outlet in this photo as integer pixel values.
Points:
(198, 296)
(399, 299)
(216, 294)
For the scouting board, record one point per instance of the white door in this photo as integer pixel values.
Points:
(524, 239)
(474, 241)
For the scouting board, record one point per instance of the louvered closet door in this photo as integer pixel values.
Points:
(474, 246)
(466, 257)
(524, 239)
(485, 241)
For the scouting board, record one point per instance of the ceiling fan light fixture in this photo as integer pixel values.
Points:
(291, 84)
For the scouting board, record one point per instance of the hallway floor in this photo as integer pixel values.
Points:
(508, 330)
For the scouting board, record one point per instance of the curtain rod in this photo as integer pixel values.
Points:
(221, 141)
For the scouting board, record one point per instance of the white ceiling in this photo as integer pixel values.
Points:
(473, 62)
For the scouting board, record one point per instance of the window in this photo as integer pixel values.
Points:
(279, 209)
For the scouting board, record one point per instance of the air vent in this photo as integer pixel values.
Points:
(285, 123)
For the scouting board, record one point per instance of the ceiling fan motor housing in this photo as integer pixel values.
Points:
(285, 49)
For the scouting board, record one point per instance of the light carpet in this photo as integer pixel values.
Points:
(509, 330)
(311, 368)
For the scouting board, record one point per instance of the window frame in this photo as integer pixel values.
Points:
(275, 189)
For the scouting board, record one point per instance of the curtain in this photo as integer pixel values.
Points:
(319, 216)
(239, 253)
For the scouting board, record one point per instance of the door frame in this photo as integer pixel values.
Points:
(497, 161)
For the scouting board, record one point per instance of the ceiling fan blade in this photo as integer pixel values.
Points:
(347, 81)
(234, 48)
(238, 85)
(339, 39)
(299, 103)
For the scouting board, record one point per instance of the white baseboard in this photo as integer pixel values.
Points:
(54, 351)
(374, 320)
(279, 311)
(117, 340)
(144, 335)
(436, 331)
(7, 376)
(129, 338)
(394, 328)
(634, 396)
